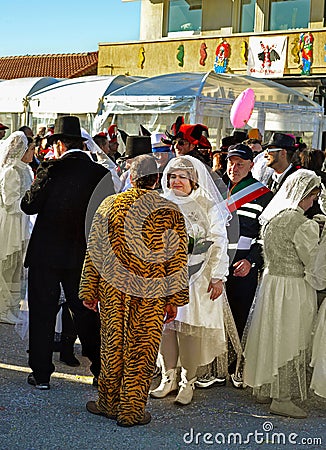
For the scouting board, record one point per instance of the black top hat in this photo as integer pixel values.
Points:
(136, 146)
(281, 140)
(240, 150)
(227, 141)
(239, 136)
(66, 126)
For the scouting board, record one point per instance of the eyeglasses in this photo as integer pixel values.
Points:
(180, 142)
(271, 150)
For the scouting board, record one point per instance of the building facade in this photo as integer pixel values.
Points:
(230, 36)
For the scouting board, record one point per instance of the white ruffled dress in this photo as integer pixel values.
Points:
(318, 359)
(284, 311)
(15, 230)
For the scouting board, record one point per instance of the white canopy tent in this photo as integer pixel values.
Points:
(13, 98)
(81, 96)
(207, 98)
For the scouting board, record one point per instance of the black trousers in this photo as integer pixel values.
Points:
(240, 293)
(43, 301)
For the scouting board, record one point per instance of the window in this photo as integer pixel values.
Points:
(289, 14)
(185, 15)
(247, 15)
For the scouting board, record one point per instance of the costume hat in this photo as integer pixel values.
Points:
(3, 127)
(112, 133)
(281, 140)
(254, 133)
(240, 150)
(174, 130)
(136, 146)
(158, 143)
(66, 126)
(194, 135)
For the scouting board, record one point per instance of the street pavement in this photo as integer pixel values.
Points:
(220, 417)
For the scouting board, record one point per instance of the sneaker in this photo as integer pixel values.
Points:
(32, 381)
(236, 382)
(208, 381)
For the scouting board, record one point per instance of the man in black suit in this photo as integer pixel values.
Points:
(278, 153)
(60, 196)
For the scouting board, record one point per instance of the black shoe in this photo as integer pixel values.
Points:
(208, 381)
(42, 386)
(57, 346)
(70, 360)
(95, 382)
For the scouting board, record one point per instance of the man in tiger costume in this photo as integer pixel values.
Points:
(136, 269)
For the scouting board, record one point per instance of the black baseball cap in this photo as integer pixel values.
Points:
(240, 150)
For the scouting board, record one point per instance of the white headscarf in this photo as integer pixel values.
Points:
(13, 149)
(204, 180)
(295, 188)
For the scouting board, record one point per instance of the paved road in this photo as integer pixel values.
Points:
(57, 419)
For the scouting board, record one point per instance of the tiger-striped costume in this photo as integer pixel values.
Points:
(133, 266)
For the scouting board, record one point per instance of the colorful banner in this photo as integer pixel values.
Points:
(266, 56)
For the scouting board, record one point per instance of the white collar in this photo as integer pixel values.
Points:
(279, 176)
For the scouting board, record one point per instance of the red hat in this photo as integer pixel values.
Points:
(113, 133)
(194, 135)
(3, 127)
(102, 134)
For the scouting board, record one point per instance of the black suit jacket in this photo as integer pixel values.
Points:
(59, 196)
(274, 187)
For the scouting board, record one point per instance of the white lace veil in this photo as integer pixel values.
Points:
(13, 149)
(295, 188)
(95, 149)
(202, 177)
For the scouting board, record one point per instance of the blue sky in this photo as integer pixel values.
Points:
(65, 26)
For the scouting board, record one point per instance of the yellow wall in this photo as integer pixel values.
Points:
(161, 55)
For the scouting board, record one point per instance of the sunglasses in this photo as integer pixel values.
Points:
(271, 150)
(180, 142)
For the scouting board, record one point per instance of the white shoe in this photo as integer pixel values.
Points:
(236, 382)
(287, 409)
(168, 384)
(9, 318)
(186, 391)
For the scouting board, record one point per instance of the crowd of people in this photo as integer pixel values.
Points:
(168, 258)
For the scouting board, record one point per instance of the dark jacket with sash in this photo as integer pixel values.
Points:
(246, 201)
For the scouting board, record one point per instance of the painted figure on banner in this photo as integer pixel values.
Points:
(267, 56)
(223, 51)
(306, 49)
